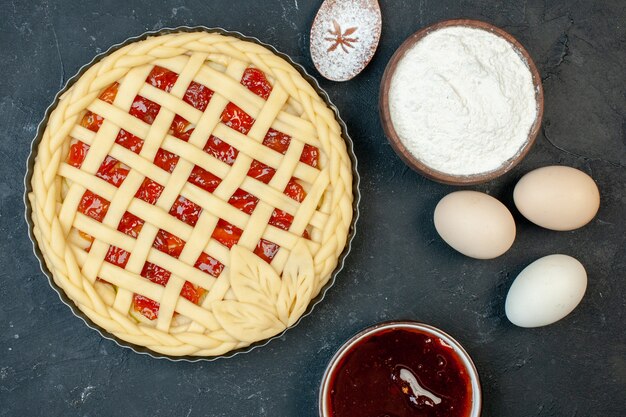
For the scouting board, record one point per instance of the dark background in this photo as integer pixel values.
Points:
(51, 363)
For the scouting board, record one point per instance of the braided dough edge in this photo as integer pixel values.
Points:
(45, 197)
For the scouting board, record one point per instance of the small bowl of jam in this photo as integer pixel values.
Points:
(400, 369)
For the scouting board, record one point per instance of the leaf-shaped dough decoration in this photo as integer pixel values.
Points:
(297, 286)
(246, 322)
(253, 280)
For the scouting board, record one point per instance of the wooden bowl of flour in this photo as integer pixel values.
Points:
(462, 173)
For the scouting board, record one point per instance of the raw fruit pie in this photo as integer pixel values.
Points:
(192, 193)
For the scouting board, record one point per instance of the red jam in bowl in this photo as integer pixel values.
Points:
(398, 372)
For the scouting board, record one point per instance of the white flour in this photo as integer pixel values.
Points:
(462, 101)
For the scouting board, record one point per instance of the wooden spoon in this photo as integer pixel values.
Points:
(344, 37)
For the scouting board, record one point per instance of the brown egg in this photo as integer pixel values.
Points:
(557, 197)
(475, 224)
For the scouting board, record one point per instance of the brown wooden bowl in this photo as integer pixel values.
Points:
(414, 162)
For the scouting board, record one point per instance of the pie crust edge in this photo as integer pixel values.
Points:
(60, 257)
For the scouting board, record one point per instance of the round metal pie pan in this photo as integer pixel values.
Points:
(31, 162)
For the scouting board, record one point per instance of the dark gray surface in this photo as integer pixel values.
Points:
(398, 269)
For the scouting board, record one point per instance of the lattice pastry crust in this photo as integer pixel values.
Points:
(78, 211)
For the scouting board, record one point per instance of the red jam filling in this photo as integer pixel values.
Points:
(209, 265)
(204, 179)
(93, 205)
(149, 191)
(114, 172)
(401, 373)
(130, 225)
(150, 308)
(78, 152)
(186, 211)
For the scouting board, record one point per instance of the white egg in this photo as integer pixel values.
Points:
(546, 291)
(475, 224)
(557, 197)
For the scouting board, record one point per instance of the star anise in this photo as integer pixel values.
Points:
(341, 38)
